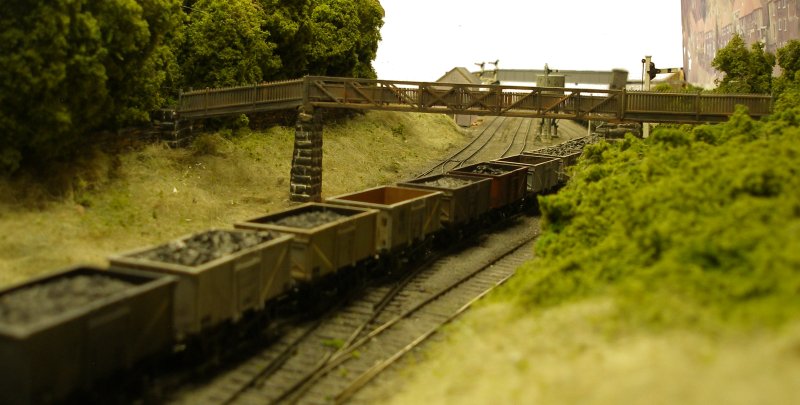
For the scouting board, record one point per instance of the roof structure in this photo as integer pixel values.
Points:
(460, 75)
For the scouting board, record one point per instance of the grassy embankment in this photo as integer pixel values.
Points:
(153, 193)
(668, 272)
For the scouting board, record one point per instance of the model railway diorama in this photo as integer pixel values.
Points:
(64, 334)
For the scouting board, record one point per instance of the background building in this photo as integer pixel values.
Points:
(708, 25)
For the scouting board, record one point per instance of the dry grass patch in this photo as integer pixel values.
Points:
(567, 356)
(156, 193)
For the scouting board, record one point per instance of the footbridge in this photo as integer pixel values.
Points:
(309, 93)
(451, 98)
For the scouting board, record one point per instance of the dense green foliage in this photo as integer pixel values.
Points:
(72, 66)
(693, 226)
(345, 37)
(746, 70)
(70, 69)
(261, 40)
(226, 45)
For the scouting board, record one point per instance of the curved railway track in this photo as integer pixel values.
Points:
(301, 349)
(337, 354)
(417, 317)
(470, 150)
(292, 368)
(525, 139)
(515, 133)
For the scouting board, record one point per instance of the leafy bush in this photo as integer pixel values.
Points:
(689, 227)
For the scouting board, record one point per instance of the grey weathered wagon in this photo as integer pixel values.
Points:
(323, 249)
(405, 215)
(543, 171)
(221, 290)
(460, 204)
(44, 360)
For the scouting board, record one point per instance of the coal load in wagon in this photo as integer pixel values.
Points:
(486, 169)
(448, 182)
(27, 305)
(308, 220)
(205, 247)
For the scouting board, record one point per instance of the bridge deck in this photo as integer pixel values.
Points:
(447, 98)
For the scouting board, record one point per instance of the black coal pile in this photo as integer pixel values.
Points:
(309, 220)
(486, 169)
(448, 182)
(40, 301)
(205, 247)
(568, 147)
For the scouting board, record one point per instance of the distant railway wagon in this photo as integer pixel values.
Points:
(542, 171)
(62, 332)
(508, 181)
(327, 237)
(406, 215)
(464, 198)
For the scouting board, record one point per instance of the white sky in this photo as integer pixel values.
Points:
(423, 39)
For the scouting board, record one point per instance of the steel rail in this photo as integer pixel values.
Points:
(376, 312)
(364, 378)
(451, 158)
(347, 354)
(514, 139)
(472, 155)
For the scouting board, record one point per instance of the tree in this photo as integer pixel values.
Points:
(345, 37)
(226, 44)
(71, 67)
(289, 25)
(746, 71)
(789, 59)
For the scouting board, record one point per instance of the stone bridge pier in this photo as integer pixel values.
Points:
(306, 176)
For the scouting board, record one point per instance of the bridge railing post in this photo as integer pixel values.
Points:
(697, 106)
(306, 93)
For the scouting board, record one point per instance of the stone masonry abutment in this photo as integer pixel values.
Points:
(306, 176)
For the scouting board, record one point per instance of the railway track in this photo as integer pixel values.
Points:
(304, 356)
(485, 137)
(335, 355)
(314, 359)
(517, 134)
(501, 137)
(415, 319)
(301, 348)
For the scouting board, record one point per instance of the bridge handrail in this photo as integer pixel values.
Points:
(468, 98)
(236, 96)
